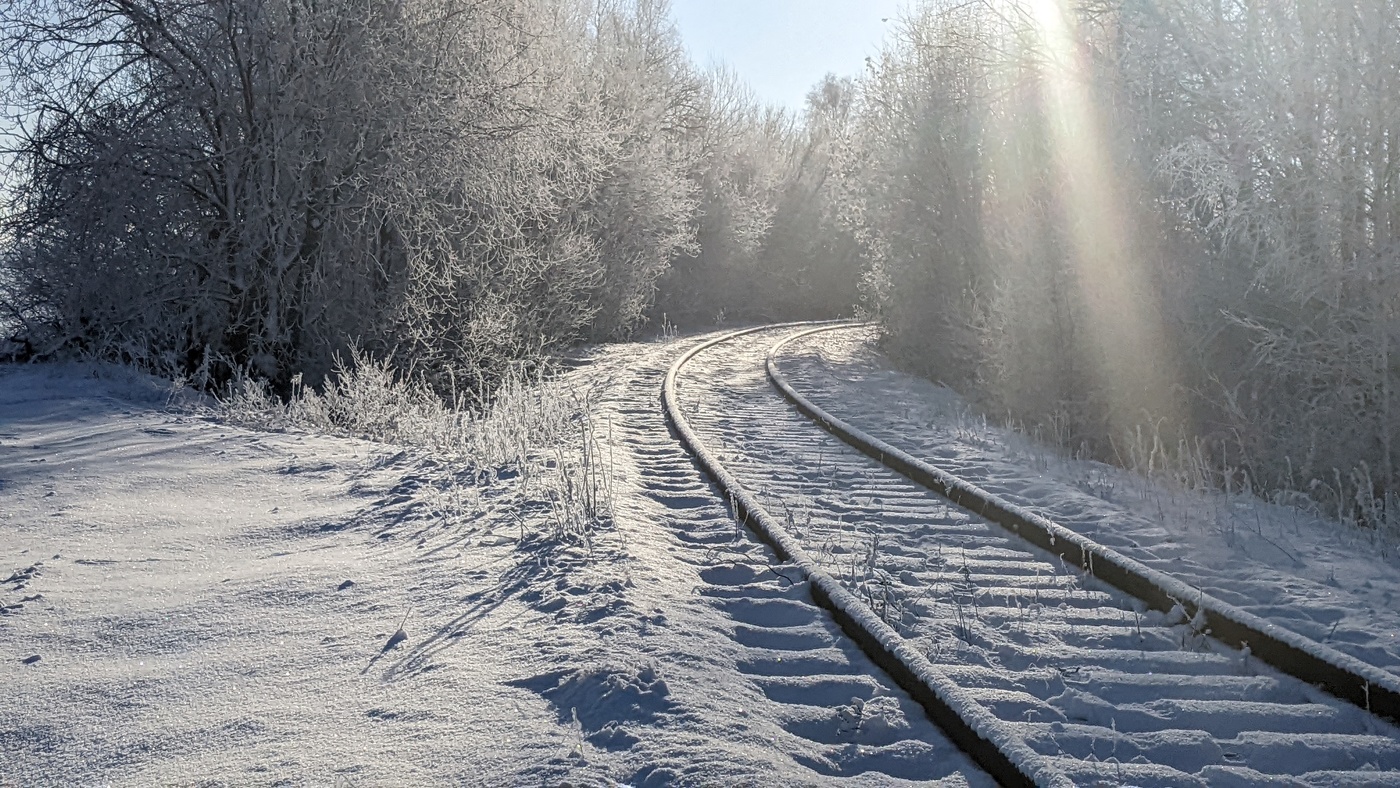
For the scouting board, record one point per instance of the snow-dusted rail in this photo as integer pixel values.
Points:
(1044, 675)
(986, 739)
(1351, 679)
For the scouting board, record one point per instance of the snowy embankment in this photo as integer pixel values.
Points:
(1329, 581)
(213, 604)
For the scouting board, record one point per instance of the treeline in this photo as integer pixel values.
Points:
(252, 187)
(1166, 230)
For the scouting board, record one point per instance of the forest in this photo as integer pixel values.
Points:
(1164, 233)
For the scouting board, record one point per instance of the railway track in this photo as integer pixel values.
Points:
(850, 721)
(1043, 673)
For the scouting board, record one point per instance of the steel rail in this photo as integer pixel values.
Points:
(1344, 676)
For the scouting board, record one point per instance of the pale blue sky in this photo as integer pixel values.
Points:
(783, 47)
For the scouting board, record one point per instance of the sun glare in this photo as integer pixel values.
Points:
(1126, 338)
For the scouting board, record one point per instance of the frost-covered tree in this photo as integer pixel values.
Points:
(639, 92)
(1275, 130)
(809, 263)
(914, 187)
(237, 184)
(768, 245)
(737, 176)
(230, 186)
(224, 187)
(1178, 213)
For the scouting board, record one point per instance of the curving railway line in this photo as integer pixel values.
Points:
(1047, 658)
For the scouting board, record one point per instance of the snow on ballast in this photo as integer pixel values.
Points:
(1345, 676)
(1072, 682)
(991, 744)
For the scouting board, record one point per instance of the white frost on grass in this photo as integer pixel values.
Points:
(1324, 579)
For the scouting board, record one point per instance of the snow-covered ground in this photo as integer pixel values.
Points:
(212, 605)
(1332, 582)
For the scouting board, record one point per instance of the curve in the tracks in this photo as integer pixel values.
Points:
(1347, 677)
(1069, 681)
(848, 723)
(979, 733)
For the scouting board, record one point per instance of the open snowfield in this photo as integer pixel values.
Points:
(215, 605)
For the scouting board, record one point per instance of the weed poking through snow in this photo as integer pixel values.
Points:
(542, 434)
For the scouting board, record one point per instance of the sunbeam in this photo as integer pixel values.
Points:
(1125, 340)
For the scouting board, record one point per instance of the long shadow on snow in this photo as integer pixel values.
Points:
(539, 559)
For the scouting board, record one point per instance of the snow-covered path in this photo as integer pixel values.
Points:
(1105, 691)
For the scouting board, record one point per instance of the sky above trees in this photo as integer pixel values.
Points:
(781, 48)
